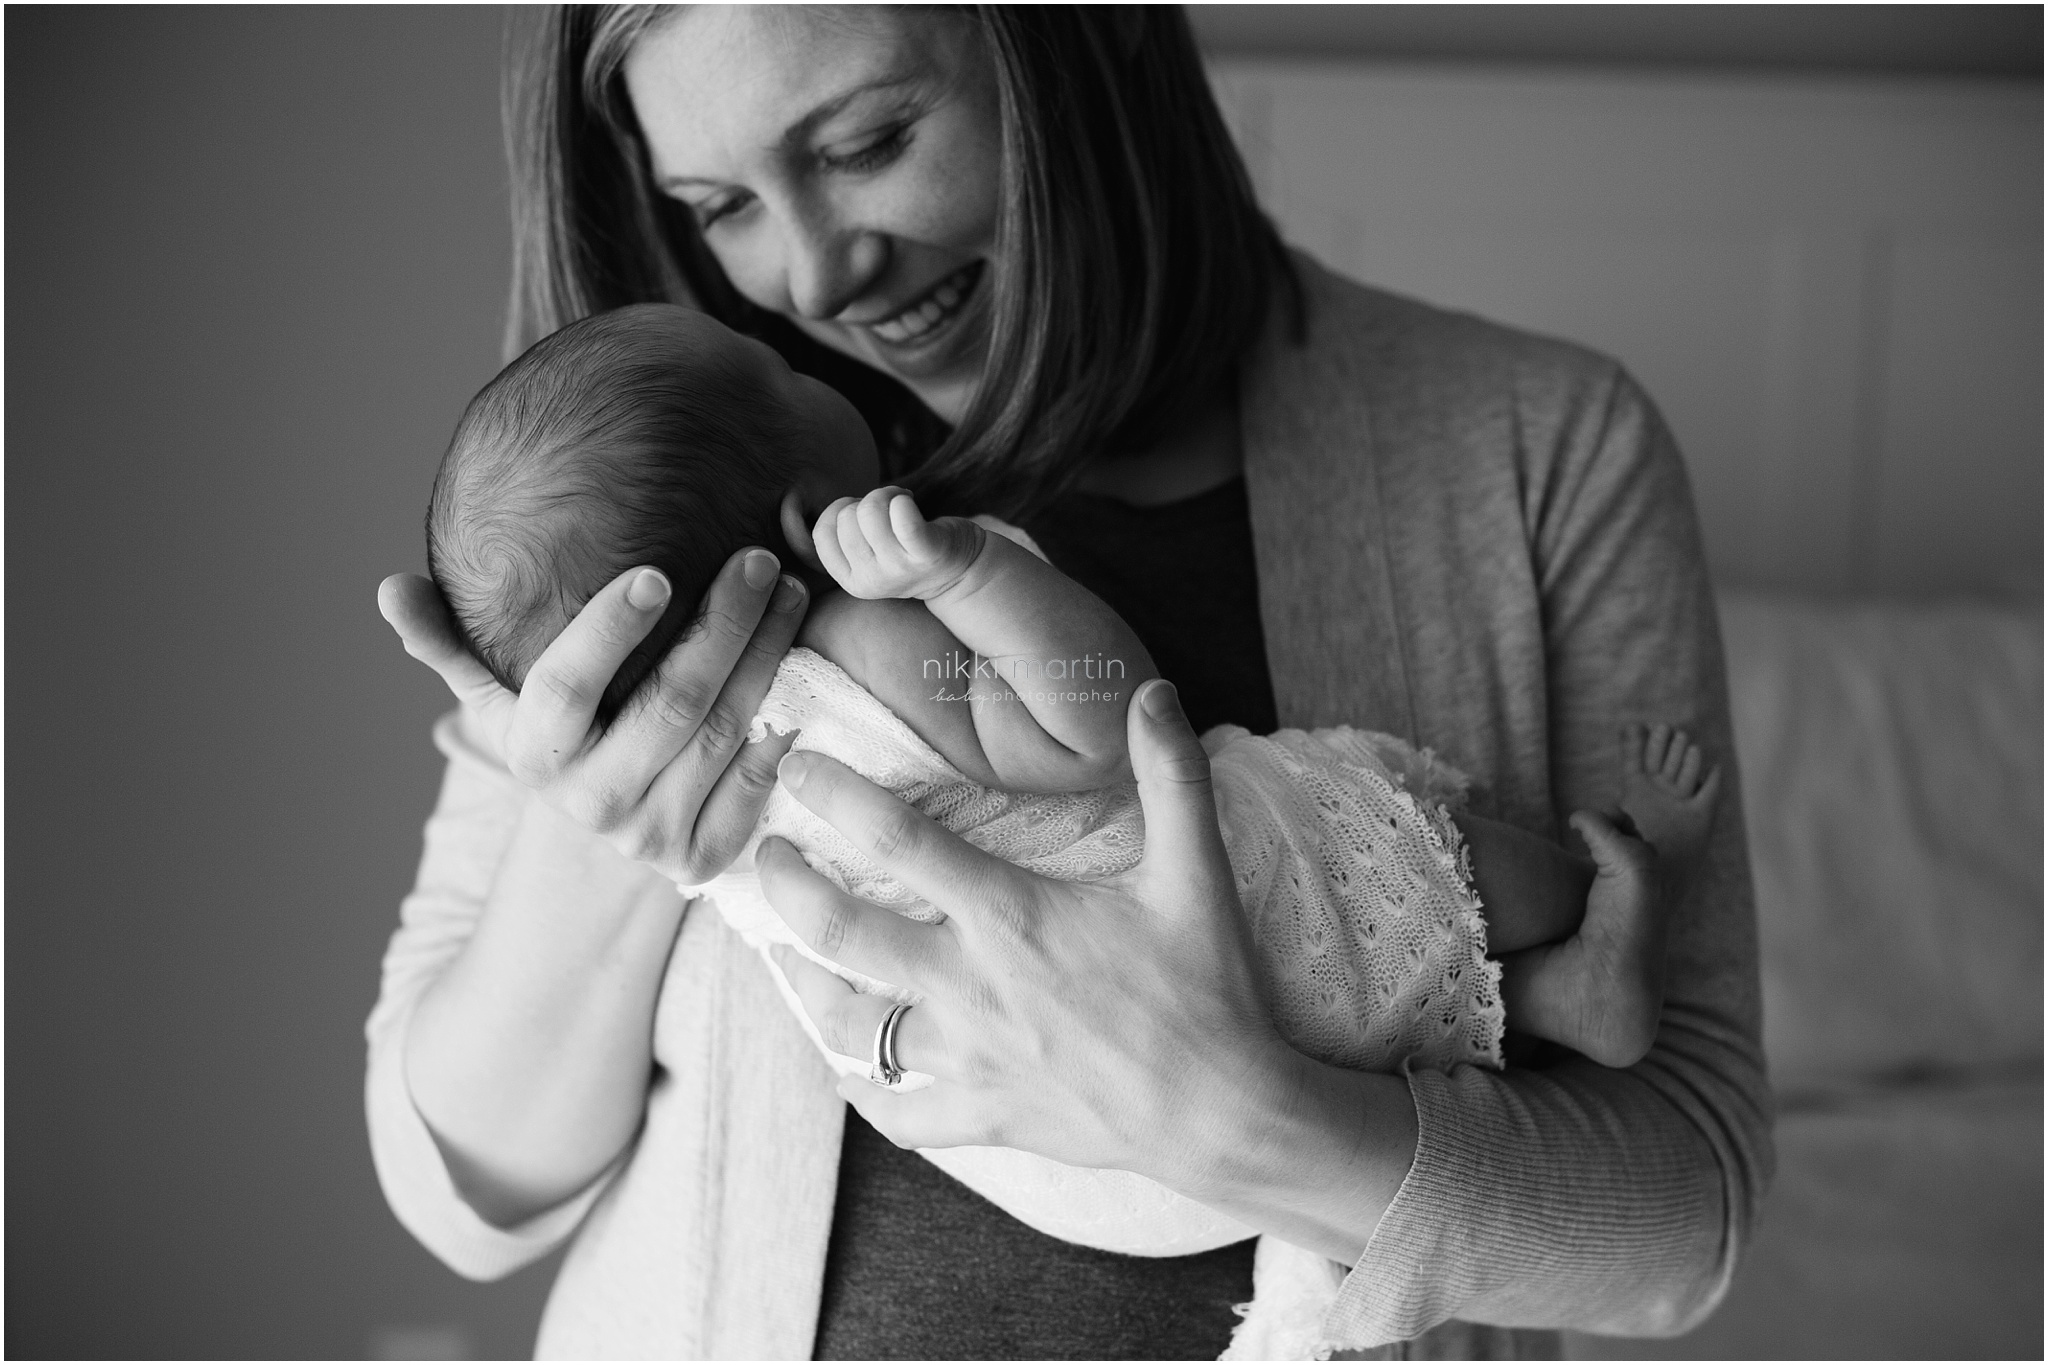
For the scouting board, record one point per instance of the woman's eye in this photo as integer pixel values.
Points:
(876, 152)
(711, 210)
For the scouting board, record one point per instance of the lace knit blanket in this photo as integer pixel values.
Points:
(1348, 865)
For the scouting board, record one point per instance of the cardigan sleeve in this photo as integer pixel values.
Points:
(1571, 1195)
(466, 838)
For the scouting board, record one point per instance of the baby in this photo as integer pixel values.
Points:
(960, 670)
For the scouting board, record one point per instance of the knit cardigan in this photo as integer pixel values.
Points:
(1475, 539)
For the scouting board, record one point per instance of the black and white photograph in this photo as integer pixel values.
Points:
(1014, 682)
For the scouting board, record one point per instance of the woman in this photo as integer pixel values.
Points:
(1021, 241)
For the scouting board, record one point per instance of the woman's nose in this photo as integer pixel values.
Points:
(829, 267)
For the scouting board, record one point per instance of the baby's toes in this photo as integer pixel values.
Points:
(1674, 756)
(1690, 762)
(1656, 748)
(1633, 737)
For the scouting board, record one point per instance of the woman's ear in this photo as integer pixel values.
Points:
(796, 529)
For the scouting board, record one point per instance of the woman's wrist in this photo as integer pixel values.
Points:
(1312, 1153)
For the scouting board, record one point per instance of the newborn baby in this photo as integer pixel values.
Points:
(958, 669)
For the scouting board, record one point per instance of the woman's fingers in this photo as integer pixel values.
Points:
(668, 710)
(558, 699)
(848, 1020)
(416, 610)
(941, 1115)
(711, 825)
(1181, 832)
(866, 938)
(933, 862)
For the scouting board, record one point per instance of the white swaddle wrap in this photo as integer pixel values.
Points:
(1348, 866)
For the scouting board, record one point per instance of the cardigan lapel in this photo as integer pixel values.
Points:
(1327, 591)
(776, 1163)
(1384, 468)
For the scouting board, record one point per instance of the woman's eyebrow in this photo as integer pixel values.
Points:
(800, 132)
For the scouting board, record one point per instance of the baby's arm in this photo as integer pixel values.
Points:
(1045, 668)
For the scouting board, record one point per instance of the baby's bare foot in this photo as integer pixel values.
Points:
(1601, 991)
(1615, 985)
(1643, 874)
(1669, 793)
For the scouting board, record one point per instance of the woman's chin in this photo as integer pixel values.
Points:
(943, 375)
(949, 398)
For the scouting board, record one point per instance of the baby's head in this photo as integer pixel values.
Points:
(651, 435)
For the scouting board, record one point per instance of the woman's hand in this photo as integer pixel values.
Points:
(669, 783)
(1115, 1024)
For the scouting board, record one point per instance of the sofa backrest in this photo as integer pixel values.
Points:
(1891, 770)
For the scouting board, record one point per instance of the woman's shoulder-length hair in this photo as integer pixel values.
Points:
(1133, 265)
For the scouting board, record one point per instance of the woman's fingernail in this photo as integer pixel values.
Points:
(1161, 702)
(648, 590)
(789, 595)
(792, 770)
(760, 568)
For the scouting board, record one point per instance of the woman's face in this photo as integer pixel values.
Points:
(843, 164)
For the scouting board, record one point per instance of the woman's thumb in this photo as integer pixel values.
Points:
(1173, 786)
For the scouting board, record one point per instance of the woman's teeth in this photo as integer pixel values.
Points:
(914, 321)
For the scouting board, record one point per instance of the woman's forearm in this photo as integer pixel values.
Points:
(529, 1057)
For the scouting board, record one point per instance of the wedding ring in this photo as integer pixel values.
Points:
(885, 1070)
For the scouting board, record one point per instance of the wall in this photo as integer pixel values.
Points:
(1950, 40)
(256, 263)
(1830, 284)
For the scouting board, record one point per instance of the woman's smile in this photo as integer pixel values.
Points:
(931, 314)
(844, 169)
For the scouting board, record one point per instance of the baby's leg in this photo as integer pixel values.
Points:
(1601, 991)
(1531, 890)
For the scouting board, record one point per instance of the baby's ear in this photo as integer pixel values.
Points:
(796, 529)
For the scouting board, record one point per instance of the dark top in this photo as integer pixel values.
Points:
(922, 1268)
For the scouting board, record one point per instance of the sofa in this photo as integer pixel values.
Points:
(1892, 777)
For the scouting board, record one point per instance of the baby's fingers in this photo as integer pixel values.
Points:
(851, 530)
(825, 540)
(876, 518)
(912, 531)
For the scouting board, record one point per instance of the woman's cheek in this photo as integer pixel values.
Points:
(751, 265)
(956, 184)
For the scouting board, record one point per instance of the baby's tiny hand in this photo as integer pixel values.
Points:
(881, 546)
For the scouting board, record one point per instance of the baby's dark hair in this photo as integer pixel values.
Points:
(621, 440)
